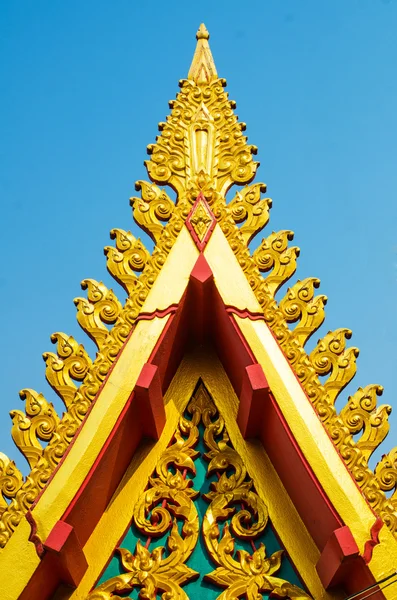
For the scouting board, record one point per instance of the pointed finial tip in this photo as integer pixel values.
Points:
(202, 33)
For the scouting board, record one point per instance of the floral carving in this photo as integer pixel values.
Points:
(168, 498)
(233, 497)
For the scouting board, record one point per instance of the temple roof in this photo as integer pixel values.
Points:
(200, 154)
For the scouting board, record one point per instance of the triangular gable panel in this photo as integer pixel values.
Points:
(200, 321)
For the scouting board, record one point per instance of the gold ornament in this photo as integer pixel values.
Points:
(154, 206)
(248, 208)
(274, 255)
(361, 415)
(201, 148)
(244, 574)
(129, 257)
(169, 498)
(201, 220)
(70, 363)
(10, 481)
(300, 304)
(101, 308)
(39, 423)
(330, 357)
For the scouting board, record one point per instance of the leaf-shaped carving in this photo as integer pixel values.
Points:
(330, 357)
(39, 423)
(130, 255)
(70, 363)
(101, 306)
(154, 206)
(386, 472)
(249, 208)
(274, 255)
(299, 304)
(10, 481)
(362, 415)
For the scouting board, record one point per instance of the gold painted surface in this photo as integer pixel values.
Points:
(39, 422)
(278, 261)
(10, 481)
(319, 449)
(111, 527)
(127, 259)
(169, 498)
(18, 563)
(98, 426)
(203, 68)
(273, 256)
(137, 271)
(68, 365)
(101, 308)
(172, 281)
(201, 220)
(201, 148)
(242, 574)
(299, 413)
(153, 207)
(362, 415)
(218, 254)
(67, 480)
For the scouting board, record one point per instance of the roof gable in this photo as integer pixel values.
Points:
(174, 293)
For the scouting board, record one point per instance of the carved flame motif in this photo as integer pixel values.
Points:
(170, 497)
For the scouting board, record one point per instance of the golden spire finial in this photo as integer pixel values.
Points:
(202, 33)
(202, 69)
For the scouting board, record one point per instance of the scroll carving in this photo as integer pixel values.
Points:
(203, 113)
(248, 208)
(128, 258)
(167, 501)
(39, 423)
(242, 574)
(386, 473)
(10, 481)
(330, 357)
(70, 363)
(101, 308)
(171, 158)
(170, 497)
(361, 415)
(299, 304)
(274, 255)
(154, 206)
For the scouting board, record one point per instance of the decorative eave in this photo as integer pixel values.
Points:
(201, 152)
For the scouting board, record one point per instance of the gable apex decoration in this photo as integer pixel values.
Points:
(203, 281)
(200, 222)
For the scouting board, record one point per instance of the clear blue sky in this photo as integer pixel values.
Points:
(83, 86)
